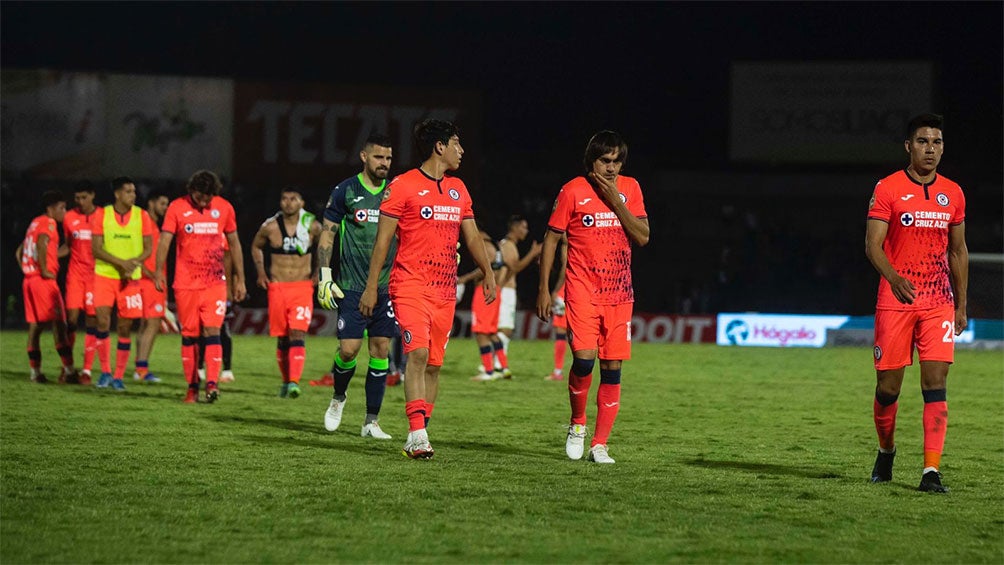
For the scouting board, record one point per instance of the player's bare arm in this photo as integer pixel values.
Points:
(63, 251)
(386, 227)
(237, 260)
(958, 265)
(315, 235)
(19, 253)
(636, 228)
(326, 243)
(160, 276)
(544, 299)
(472, 238)
(902, 289)
(562, 262)
(261, 238)
(42, 259)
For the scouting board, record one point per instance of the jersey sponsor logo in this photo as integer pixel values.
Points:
(583, 203)
(606, 220)
(905, 198)
(361, 215)
(927, 219)
(454, 194)
(187, 213)
(203, 228)
(587, 221)
(357, 199)
(906, 219)
(82, 235)
(446, 213)
(942, 199)
(426, 212)
(878, 353)
(423, 193)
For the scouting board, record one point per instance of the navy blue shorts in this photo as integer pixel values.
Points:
(351, 323)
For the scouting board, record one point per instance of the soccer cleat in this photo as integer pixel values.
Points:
(327, 380)
(394, 378)
(555, 376)
(283, 390)
(293, 390)
(418, 446)
(598, 454)
(373, 430)
(212, 392)
(506, 373)
(39, 378)
(575, 443)
(151, 378)
(84, 378)
(227, 376)
(69, 376)
(117, 384)
(931, 482)
(485, 377)
(192, 396)
(882, 471)
(105, 380)
(333, 415)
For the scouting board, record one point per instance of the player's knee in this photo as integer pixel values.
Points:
(610, 376)
(582, 367)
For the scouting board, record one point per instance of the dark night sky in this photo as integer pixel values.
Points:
(550, 73)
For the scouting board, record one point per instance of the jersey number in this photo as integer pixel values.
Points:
(948, 331)
(134, 302)
(303, 313)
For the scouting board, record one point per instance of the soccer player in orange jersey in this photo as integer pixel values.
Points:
(428, 210)
(154, 301)
(80, 273)
(291, 235)
(122, 240)
(197, 222)
(38, 256)
(485, 318)
(601, 214)
(916, 239)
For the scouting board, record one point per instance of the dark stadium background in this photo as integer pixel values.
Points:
(551, 74)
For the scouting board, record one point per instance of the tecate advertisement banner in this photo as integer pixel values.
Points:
(776, 330)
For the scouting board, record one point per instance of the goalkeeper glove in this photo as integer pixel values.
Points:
(327, 291)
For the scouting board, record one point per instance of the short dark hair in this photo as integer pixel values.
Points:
(83, 186)
(513, 220)
(156, 195)
(923, 121)
(205, 182)
(51, 198)
(291, 188)
(119, 182)
(429, 131)
(600, 144)
(379, 139)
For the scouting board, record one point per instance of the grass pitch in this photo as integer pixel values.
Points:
(723, 455)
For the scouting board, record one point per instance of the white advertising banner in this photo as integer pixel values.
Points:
(776, 330)
(825, 112)
(169, 126)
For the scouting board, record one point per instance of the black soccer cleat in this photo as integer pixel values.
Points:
(931, 482)
(882, 471)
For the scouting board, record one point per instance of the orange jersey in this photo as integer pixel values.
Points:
(77, 229)
(428, 214)
(42, 225)
(599, 251)
(199, 238)
(916, 244)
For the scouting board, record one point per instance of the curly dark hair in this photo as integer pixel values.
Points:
(205, 182)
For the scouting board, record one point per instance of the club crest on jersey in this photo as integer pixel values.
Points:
(623, 198)
(214, 213)
(878, 353)
(426, 212)
(454, 194)
(406, 336)
(588, 221)
(942, 199)
(906, 219)
(361, 215)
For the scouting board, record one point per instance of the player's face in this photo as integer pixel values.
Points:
(376, 160)
(609, 165)
(453, 153)
(521, 229)
(58, 211)
(126, 194)
(159, 206)
(925, 149)
(201, 199)
(290, 203)
(84, 200)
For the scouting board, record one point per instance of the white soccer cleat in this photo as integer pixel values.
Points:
(227, 377)
(575, 444)
(373, 430)
(484, 377)
(333, 416)
(418, 446)
(598, 454)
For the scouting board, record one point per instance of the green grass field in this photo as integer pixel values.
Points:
(723, 455)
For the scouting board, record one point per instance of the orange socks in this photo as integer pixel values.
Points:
(608, 404)
(190, 359)
(884, 411)
(104, 348)
(297, 356)
(122, 357)
(415, 411)
(935, 426)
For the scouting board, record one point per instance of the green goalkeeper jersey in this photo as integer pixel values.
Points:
(355, 207)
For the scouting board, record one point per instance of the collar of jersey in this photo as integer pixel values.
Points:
(373, 191)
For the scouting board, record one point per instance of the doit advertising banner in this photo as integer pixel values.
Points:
(776, 330)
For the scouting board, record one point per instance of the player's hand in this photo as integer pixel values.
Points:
(367, 301)
(159, 281)
(47, 275)
(961, 321)
(489, 287)
(607, 188)
(543, 305)
(328, 292)
(535, 249)
(903, 289)
(263, 281)
(240, 291)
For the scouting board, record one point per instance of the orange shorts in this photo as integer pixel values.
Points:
(199, 309)
(290, 306)
(484, 317)
(42, 301)
(897, 332)
(154, 301)
(605, 327)
(124, 294)
(424, 323)
(80, 294)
